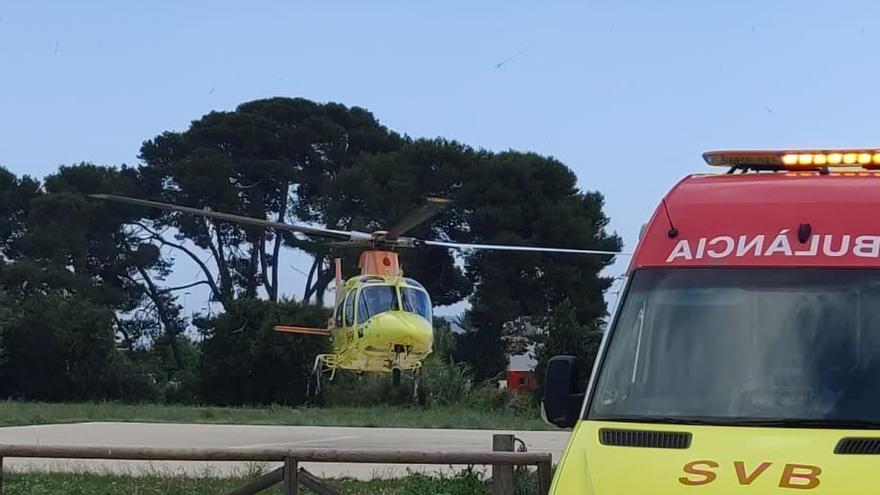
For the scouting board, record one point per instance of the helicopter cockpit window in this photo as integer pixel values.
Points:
(414, 283)
(416, 301)
(349, 309)
(375, 300)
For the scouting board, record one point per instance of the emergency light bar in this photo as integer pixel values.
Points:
(794, 159)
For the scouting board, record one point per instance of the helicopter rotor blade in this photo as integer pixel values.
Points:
(348, 244)
(228, 217)
(431, 207)
(507, 247)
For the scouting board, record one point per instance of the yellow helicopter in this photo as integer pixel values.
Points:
(382, 321)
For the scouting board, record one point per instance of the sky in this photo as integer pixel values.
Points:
(626, 93)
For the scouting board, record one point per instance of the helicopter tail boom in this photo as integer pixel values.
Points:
(301, 330)
(339, 282)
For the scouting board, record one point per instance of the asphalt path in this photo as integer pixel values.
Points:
(252, 436)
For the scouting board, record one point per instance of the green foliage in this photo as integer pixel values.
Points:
(364, 391)
(18, 413)
(67, 231)
(444, 340)
(488, 397)
(175, 384)
(524, 198)
(564, 334)
(79, 277)
(446, 383)
(255, 161)
(467, 482)
(443, 384)
(341, 167)
(59, 348)
(97, 270)
(15, 197)
(245, 362)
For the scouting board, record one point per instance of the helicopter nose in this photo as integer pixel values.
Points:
(403, 328)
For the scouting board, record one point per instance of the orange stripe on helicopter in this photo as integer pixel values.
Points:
(301, 330)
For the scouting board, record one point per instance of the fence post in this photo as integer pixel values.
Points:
(502, 475)
(255, 486)
(314, 484)
(290, 476)
(1, 476)
(545, 478)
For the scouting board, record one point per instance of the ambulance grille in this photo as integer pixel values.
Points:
(641, 438)
(858, 446)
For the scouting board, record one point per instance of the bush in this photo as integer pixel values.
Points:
(446, 383)
(443, 384)
(178, 384)
(58, 347)
(491, 398)
(564, 335)
(132, 378)
(245, 362)
(363, 390)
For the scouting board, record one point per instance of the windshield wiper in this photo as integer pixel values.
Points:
(843, 423)
(664, 420)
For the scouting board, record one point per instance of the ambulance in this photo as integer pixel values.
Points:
(744, 357)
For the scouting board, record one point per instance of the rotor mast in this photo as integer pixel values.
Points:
(383, 263)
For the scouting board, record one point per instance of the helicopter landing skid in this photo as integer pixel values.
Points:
(415, 374)
(325, 364)
(418, 395)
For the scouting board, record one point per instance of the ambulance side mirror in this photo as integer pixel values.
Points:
(562, 394)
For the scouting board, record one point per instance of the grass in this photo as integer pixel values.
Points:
(466, 483)
(18, 413)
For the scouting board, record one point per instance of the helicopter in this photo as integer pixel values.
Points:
(382, 321)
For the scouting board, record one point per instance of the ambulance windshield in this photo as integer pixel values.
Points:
(764, 346)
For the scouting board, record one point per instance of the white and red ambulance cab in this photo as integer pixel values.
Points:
(745, 354)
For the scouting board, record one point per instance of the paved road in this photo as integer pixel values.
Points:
(225, 436)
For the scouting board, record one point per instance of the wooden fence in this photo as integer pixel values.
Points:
(289, 474)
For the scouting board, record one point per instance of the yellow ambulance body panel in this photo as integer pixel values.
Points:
(720, 460)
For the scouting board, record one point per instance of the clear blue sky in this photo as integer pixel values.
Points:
(626, 93)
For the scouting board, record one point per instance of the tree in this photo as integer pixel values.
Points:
(563, 334)
(288, 160)
(15, 197)
(444, 340)
(524, 198)
(273, 158)
(245, 362)
(58, 347)
(98, 249)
